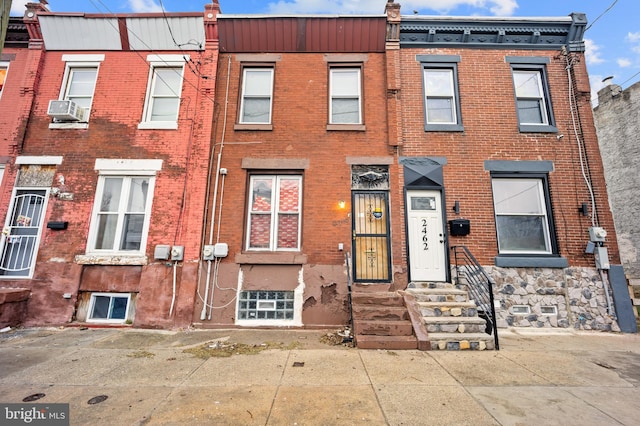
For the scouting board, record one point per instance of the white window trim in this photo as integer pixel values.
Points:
(332, 97)
(107, 320)
(452, 88)
(161, 61)
(243, 95)
(544, 214)
(274, 214)
(77, 61)
(542, 97)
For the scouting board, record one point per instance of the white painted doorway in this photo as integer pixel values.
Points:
(426, 236)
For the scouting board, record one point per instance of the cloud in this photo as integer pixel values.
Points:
(144, 6)
(623, 62)
(496, 7)
(18, 7)
(633, 37)
(592, 52)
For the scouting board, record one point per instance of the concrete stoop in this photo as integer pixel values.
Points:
(382, 321)
(450, 318)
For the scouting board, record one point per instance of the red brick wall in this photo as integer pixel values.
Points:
(491, 133)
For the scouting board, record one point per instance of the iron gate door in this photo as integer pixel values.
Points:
(372, 254)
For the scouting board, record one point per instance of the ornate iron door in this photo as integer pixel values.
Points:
(372, 256)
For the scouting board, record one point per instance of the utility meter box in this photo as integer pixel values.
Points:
(207, 252)
(161, 252)
(597, 234)
(177, 253)
(459, 227)
(221, 250)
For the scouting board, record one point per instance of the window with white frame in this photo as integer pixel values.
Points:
(121, 214)
(441, 94)
(109, 307)
(257, 95)
(4, 69)
(533, 101)
(274, 212)
(79, 81)
(256, 305)
(522, 219)
(345, 106)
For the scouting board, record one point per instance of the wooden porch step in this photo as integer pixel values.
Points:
(382, 328)
(460, 342)
(366, 341)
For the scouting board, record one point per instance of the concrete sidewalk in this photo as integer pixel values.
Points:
(539, 377)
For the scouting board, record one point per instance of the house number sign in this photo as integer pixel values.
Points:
(425, 238)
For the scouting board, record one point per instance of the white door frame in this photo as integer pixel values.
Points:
(426, 235)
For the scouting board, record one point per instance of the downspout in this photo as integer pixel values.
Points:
(203, 313)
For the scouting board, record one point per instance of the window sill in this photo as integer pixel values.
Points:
(537, 128)
(267, 127)
(444, 128)
(158, 125)
(531, 262)
(73, 125)
(103, 259)
(347, 127)
(270, 258)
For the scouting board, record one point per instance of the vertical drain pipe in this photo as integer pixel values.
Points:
(203, 313)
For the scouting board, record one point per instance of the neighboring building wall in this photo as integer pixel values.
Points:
(68, 160)
(616, 118)
(490, 141)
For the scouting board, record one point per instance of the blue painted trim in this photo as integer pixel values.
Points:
(518, 166)
(527, 59)
(438, 58)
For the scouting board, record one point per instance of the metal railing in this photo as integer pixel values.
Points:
(480, 287)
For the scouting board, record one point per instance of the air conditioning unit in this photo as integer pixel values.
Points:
(66, 111)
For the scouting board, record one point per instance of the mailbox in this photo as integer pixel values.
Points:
(459, 227)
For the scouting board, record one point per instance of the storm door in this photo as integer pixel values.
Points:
(371, 257)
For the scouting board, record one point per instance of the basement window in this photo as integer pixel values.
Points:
(256, 305)
(549, 310)
(521, 310)
(109, 307)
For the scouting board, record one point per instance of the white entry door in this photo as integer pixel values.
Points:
(426, 236)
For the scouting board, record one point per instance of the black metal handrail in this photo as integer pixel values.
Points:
(480, 287)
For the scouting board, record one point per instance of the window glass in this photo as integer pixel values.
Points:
(345, 96)
(256, 95)
(122, 214)
(530, 97)
(164, 102)
(442, 109)
(105, 307)
(521, 217)
(81, 83)
(274, 212)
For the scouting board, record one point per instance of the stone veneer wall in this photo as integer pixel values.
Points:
(577, 293)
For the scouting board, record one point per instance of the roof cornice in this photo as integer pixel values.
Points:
(494, 32)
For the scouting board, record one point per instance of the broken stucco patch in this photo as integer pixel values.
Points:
(329, 293)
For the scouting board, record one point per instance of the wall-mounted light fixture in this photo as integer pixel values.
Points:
(342, 204)
(584, 209)
(456, 207)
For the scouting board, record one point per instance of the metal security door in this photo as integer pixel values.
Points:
(21, 233)
(371, 257)
(426, 236)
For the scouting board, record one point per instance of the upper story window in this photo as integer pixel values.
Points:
(162, 102)
(441, 96)
(78, 86)
(274, 212)
(533, 102)
(122, 207)
(4, 68)
(257, 95)
(345, 106)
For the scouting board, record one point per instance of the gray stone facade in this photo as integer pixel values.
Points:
(552, 298)
(618, 128)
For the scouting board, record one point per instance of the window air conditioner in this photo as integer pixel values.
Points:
(65, 110)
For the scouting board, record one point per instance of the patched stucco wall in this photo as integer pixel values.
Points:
(618, 128)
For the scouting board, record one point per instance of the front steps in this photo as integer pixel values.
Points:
(450, 318)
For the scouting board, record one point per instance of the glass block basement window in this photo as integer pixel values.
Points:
(265, 305)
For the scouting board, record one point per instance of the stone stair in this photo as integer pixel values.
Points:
(381, 320)
(450, 318)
